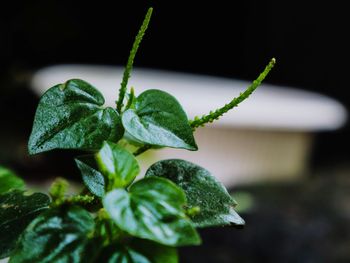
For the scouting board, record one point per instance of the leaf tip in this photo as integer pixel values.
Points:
(32, 149)
(192, 146)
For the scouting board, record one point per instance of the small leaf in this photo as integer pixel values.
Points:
(17, 210)
(92, 177)
(8, 180)
(202, 190)
(158, 119)
(152, 210)
(70, 116)
(58, 235)
(117, 164)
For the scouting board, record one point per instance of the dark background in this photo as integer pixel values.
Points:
(233, 39)
(236, 40)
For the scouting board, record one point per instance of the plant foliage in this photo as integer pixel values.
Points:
(114, 219)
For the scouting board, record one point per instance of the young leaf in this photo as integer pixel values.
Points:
(17, 210)
(119, 165)
(8, 180)
(92, 177)
(58, 235)
(202, 190)
(152, 210)
(158, 119)
(70, 116)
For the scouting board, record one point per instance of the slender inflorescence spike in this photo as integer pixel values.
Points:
(215, 115)
(80, 199)
(128, 68)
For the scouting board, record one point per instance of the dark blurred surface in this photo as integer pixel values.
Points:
(291, 223)
(236, 40)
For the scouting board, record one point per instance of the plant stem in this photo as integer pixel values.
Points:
(131, 98)
(197, 122)
(109, 230)
(128, 68)
(142, 149)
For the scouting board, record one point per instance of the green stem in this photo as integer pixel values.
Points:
(197, 122)
(109, 230)
(131, 98)
(131, 58)
(142, 149)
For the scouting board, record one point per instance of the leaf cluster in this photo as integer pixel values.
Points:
(116, 218)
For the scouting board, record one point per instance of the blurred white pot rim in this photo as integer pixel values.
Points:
(270, 107)
(268, 137)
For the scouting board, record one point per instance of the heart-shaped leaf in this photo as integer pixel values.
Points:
(202, 190)
(152, 209)
(58, 235)
(70, 116)
(117, 164)
(92, 178)
(8, 180)
(158, 119)
(17, 210)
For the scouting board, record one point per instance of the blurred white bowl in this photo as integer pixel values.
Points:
(268, 137)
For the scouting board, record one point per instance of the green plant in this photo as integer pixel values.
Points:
(114, 219)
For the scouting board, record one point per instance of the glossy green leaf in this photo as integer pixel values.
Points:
(153, 210)
(202, 190)
(92, 177)
(70, 116)
(157, 253)
(138, 251)
(58, 235)
(158, 119)
(119, 165)
(8, 180)
(91, 250)
(17, 210)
